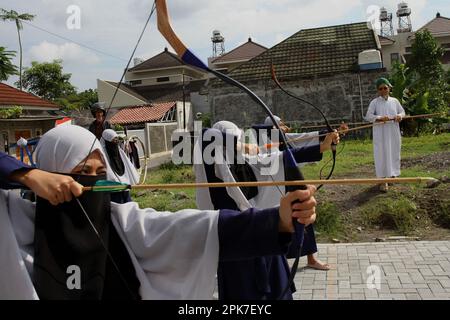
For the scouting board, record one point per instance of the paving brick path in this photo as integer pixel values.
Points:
(407, 270)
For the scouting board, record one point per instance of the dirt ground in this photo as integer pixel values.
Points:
(350, 199)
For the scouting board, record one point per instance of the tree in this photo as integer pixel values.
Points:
(425, 64)
(421, 85)
(47, 80)
(6, 67)
(78, 101)
(425, 57)
(17, 18)
(87, 98)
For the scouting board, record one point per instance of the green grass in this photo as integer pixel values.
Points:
(358, 154)
(394, 212)
(356, 161)
(328, 220)
(163, 200)
(442, 215)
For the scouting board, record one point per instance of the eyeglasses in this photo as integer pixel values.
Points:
(383, 88)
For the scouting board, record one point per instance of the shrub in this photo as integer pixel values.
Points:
(398, 214)
(11, 113)
(328, 219)
(443, 216)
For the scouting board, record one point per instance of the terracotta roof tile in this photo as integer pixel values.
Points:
(10, 96)
(141, 114)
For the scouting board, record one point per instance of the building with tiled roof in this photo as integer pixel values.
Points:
(234, 58)
(398, 47)
(34, 121)
(10, 97)
(161, 79)
(320, 64)
(311, 53)
(133, 115)
(438, 27)
(163, 68)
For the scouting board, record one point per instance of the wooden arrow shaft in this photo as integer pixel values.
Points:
(272, 183)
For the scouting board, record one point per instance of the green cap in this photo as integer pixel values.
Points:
(381, 81)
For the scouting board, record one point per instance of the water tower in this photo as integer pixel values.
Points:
(387, 29)
(404, 18)
(218, 43)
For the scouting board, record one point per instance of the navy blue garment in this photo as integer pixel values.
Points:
(313, 154)
(260, 278)
(121, 197)
(9, 165)
(249, 234)
(252, 233)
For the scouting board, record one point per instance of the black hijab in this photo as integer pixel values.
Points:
(64, 240)
(115, 160)
(243, 172)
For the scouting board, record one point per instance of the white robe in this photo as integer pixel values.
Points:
(175, 255)
(303, 143)
(386, 137)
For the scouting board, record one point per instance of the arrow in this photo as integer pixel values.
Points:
(111, 186)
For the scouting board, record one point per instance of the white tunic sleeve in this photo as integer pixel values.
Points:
(399, 108)
(175, 254)
(371, 115)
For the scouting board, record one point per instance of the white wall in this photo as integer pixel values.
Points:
(122, 99)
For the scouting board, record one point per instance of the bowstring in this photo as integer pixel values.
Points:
(92, 146)
(121, 78)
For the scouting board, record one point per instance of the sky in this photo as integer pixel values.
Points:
(99, 35)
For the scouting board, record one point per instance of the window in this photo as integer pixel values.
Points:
(135, 82)
(408, 49)
(395, 57)
(162, 79)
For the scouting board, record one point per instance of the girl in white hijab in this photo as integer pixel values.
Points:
(260, 278)
(175, 256)
(124, 170)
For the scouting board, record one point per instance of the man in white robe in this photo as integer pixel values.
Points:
(386, 137)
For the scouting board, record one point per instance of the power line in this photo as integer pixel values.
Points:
(70, 40)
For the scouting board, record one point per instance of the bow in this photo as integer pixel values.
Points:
(329, 128)
(292, 171)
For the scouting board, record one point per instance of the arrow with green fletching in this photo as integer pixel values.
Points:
(112, 186)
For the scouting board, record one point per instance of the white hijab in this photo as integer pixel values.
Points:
(64, 147)
(292, 136)
(267, 197)
(130, 176)
(268, 121)
(175, 255)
